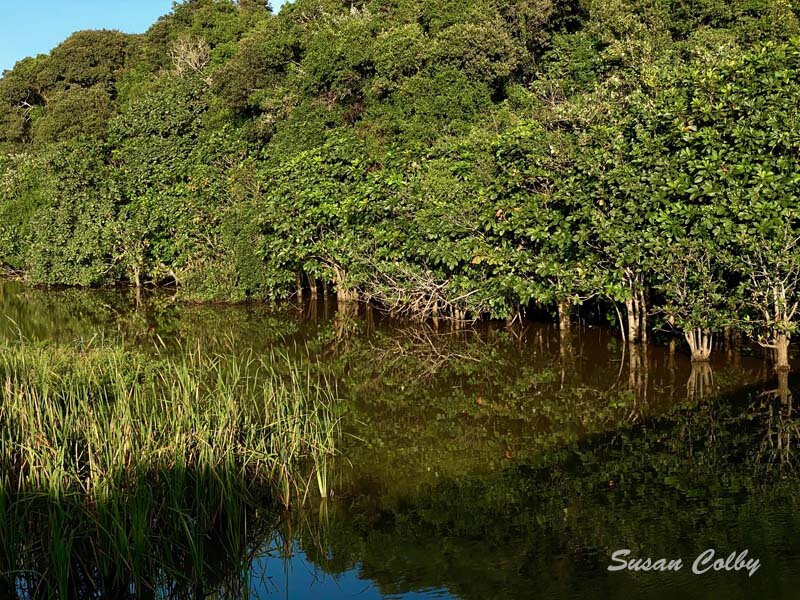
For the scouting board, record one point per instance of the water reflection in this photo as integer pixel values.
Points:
(781, 426)
(186, 536)
(701, 381)
(486, 462)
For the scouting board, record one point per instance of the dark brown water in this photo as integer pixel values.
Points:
(493, 462)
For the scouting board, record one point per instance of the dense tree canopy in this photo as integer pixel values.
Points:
(459, 159)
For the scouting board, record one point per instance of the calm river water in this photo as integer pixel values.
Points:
(490, 462)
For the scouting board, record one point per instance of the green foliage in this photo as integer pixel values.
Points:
(71, 235)
(21, 185)
(466, 158)
(484, 51)
(86, 59)
(74, 113)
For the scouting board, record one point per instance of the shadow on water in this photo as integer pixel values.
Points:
(718, 474)
(474, 463)
(188, 535)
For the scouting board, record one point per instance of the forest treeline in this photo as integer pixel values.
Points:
(453, 158)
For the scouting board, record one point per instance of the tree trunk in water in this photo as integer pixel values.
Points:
(620, 323)
(343, 292)
(633, 320)
(781, 352)
(369, 320)
(565, 349)
(642, 317)
(673, 367)
(637, 371)
(733, 346)
(137, 281)
(700, 343)
(344, 320)
(326, 304)
(564, 323)
(298, 281)
(513, 317)
(313, 309)
(784, 393)
(312, 284)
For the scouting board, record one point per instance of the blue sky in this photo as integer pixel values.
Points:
(34, 27)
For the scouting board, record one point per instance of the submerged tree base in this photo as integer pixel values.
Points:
(700, 342)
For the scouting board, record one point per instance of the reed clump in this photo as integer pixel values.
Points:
(94, 420)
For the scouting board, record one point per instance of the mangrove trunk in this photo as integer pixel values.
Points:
(633, 320)
(564, 322)
(781, 348)
(700, 343)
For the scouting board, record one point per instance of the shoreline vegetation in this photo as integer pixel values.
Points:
(93, 420)
(441, 160)
(126, 470)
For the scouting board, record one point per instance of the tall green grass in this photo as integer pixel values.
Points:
(93, 420)
(124, 470)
